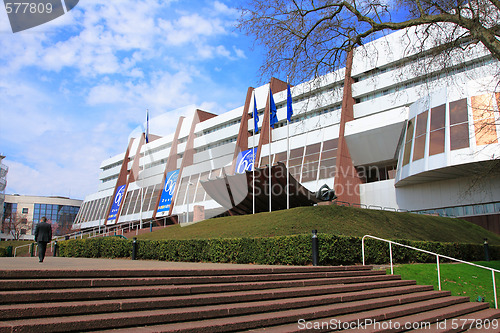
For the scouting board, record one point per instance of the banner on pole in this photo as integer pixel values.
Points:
(117, 201)
(245, 161)
(168, 191)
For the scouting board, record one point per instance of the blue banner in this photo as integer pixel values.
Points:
(245, 160)
(116, 203)
(168, 191)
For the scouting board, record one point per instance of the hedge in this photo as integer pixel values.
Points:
(281, 250)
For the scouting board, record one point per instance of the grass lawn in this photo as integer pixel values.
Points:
(460, 279)
(332, 219)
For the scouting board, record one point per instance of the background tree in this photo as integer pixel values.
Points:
(308, 38)
(17, 225)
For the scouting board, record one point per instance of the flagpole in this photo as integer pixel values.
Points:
(287, 154)
(253, 155)
(269, 159)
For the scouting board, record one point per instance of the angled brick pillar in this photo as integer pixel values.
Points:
(346, 181)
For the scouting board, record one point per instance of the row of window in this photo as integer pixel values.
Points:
(468, 210)
(217, 144)
(421, 127)
(218, 128)
(93, 210)
(421, 80)
(141, 200)
(111, 166)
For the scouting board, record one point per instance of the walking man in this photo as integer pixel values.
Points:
(43, 235)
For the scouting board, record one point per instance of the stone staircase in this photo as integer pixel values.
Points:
(271, 299)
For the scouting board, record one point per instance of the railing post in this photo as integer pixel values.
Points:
(390, 253)
(315, 248)
(439, 272)
(134, 249)
(494, 289)
(363, 249)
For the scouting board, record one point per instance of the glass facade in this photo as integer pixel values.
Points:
(465, 210)
(60, 216)
(437, 129)
(484, 119)
(420, 135)
(484, 129)
(459, 125)
(408, 141)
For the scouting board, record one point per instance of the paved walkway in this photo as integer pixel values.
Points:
(63, 263)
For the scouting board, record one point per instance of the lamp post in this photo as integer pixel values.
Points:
(187, 208)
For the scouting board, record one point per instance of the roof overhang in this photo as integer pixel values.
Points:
(375, 138)
(236, 192)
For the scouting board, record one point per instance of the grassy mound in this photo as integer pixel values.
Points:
(336, 220)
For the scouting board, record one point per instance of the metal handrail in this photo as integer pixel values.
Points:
(35, 250)
(17, 247)
(437, 261)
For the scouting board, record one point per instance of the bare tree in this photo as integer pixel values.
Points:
(17, 225)
(308, 38)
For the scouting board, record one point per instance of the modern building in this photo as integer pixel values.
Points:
(23, 212)
(382, 132)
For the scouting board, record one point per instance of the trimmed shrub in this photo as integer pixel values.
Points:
(280, 250)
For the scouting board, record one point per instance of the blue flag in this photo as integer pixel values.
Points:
(289, 110)
(273, 112)
(147, 126)
(255, 116)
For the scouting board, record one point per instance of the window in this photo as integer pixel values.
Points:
(200, 193)
(408, 141)
(154, 197)
(295, 161)
(484, 119)
(420, 134)
(25, 210)
(328, 163)
(437, 135)
(459, 125)
(311, 162)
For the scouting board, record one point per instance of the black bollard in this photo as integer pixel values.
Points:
(315, 248)
(55, 249)
(134, 249)
(32, 249)
(151, 227)
(486, 250)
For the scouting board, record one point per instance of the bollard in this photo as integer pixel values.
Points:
(315, 248)
(55, 249)
(486, 250)
(134, 249)
(151, 227)
(32, 249)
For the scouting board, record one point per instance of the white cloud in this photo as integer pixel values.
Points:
(72, 90)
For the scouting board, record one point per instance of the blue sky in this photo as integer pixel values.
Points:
(72, 89)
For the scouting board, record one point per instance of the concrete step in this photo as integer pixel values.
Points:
(290, 320)
(30, 296)
(335, 294)
(271, 299)
(285, 310)
(422, 320)
(60, 283)
(487, 320)
(100, 272)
